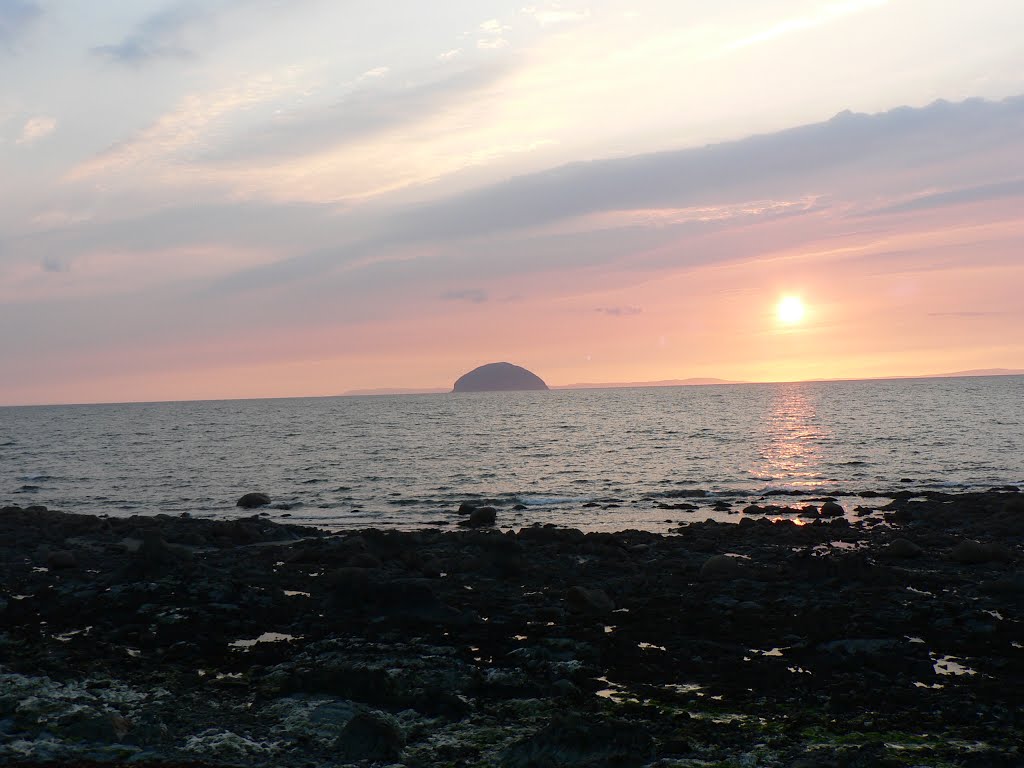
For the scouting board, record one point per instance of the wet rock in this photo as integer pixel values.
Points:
(370, 736)
(253, 500)
(902, 548)
(570, 741)
(972, 552)
(481, 517)
(832, 509)
(61, 558)
(584, 600)
(721, 567)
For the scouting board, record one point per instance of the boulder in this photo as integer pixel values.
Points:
(482, 517)
(570, 741)
(975, 553)
(831, 509)
(253, 500)
(721, 567)
(586, 600)
(61, 558)
(902, 548)
(370, 736)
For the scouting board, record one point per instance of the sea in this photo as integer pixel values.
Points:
(594, 459)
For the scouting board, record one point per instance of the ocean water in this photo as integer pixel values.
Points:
(409, 461)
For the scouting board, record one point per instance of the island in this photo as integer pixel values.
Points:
(499, 377)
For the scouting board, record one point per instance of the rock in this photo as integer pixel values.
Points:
(721, 567)
(832, 509)
(499, 377)
(902, 548)
(975, 553)
(62, 558)
(482, 517)
(571, 741)
(585, 600)
(467, 507)
(370, 736)
(253, 500)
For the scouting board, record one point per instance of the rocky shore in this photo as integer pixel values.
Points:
(790, 642)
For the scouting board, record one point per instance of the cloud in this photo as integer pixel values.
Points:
(161, 35)
(526, 224)
(371, 108)
(37, 128)
(550, 16)
(185, 127)
(824, 15)
(965, 314)
(51, 263)
(975, 194)
(849, 153)
(619, 311)
(471, 295)
(16, 16)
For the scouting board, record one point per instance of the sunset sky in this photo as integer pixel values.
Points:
(253, 198)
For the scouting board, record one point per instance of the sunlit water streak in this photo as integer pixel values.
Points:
(407, 461)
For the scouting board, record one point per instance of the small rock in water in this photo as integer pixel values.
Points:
(832, 509)
(481, 517)
(253, 500)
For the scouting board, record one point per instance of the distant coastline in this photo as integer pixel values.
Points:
(694, 382)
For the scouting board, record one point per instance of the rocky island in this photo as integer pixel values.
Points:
(499, 377)
(825, 642)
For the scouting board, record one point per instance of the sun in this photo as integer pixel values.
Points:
(790, 310)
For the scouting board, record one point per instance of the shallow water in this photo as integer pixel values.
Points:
(408, 460)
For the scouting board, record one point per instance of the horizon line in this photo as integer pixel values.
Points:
(656, 384)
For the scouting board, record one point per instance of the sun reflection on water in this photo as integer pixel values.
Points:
(792, 439)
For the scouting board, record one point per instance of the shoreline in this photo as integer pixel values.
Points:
(253, 642)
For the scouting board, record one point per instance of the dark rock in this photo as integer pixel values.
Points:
(62, 558)
(586, 600)
(482, 517)
(974, 553)
(831, 509)
(370, 736)
(499, 377)
(570, 741)
(253, 500)
(721, 567)
(902, 548)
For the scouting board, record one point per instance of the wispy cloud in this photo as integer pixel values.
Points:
(471, 295)
(161, 35)
(16, 16)
(619, 311)
(824, 15)
(965, 314)
(373, 106)
(37, 128)
(186, 126)
(555, 14)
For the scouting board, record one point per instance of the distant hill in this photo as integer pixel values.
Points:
(663, 383)
(976, 372)
(499, 377)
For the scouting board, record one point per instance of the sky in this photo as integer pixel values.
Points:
(263, 198)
